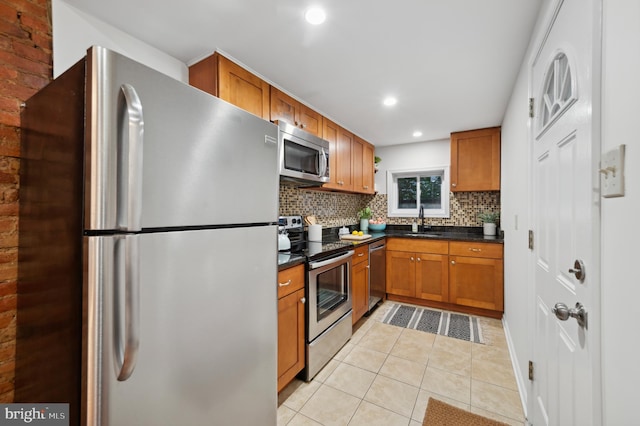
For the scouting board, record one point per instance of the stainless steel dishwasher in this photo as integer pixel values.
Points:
(377, 273)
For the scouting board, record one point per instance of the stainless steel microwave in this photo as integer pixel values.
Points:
(303, 157)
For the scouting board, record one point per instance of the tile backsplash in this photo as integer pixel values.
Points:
(337, 209)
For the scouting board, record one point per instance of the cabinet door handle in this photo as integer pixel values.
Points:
(477, 250)
(418, 259)
(360, 254)
(284, 284)
(454, 185)
(412, 259)
(303, 300)
(453, 262)
(365, 187)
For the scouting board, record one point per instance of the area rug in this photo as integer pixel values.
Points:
(459, 326)
(442, 414)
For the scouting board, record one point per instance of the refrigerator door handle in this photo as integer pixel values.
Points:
(126, 306)
(130, 144)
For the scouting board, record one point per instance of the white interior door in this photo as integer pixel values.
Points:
(565, 219)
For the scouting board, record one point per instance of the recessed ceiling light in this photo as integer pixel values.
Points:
(315, 16)
(417, 134)
(390, 101)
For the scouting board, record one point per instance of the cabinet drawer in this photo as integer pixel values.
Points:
(290, 280)
(361, 254)
(416, 245)
(471, 249)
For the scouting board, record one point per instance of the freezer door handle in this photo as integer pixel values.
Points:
(126, 306)
(130, 144)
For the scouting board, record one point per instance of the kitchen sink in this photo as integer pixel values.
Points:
(422, 234)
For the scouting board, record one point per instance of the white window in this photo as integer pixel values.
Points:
(410, 189)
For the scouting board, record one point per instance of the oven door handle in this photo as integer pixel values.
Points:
(315, 265)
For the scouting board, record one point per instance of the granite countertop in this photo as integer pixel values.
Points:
(449, 233)
(287, 260)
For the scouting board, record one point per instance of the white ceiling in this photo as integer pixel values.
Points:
(451, 63)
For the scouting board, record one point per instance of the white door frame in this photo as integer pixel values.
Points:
(595, 318)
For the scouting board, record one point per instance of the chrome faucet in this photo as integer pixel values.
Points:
(421, 217)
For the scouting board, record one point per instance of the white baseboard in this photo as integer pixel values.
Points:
(521, 380)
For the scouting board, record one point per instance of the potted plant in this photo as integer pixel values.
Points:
(489, 220)
(376, 161)
(364, 215)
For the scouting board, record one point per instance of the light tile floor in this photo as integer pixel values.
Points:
(385, 375)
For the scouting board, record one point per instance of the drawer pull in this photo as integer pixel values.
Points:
(477, 250)
(284, 284)
(360, 254)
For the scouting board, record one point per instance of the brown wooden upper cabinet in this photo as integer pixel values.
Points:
(285, 108)
(340, 156)
(475, 160)
(223, 78)
(363, 169)
(351, 159)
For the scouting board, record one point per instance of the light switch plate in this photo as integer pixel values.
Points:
(612, 173)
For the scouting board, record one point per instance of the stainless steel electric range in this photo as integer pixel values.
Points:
(328, 292)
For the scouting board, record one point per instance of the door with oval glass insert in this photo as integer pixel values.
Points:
(564, 202)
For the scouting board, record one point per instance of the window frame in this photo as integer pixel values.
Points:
(392, 192)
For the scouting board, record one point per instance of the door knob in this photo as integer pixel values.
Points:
(563, 313)
(578, 270)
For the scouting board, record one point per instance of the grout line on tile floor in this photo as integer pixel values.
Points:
(387, 339)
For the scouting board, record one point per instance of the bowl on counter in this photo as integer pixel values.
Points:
(377, 227)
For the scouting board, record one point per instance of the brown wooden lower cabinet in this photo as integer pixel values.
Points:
(291, 325)
(476, 275)
(360, 282)
(418, 268)
(460, 276)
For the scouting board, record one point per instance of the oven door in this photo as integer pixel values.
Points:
(329, 292)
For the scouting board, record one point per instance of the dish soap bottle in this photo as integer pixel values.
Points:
(414, 227)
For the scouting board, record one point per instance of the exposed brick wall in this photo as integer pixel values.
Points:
(26, 65)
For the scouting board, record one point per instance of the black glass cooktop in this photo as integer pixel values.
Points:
(313, 250)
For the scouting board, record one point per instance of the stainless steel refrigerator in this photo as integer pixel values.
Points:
(147, 251)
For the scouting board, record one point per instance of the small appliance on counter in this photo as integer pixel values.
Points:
(283, 239)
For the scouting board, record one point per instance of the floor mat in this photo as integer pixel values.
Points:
(459, 326)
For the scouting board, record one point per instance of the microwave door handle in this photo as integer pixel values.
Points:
(323, 163)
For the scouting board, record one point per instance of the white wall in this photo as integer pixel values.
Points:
(74, 32)
(620, 234)
(410, 156)
(514, 219)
